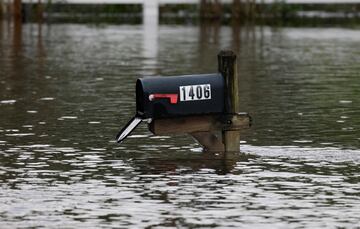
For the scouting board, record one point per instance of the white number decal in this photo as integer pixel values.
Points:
(195, 92)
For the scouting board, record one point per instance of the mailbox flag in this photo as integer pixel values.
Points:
(173, 98)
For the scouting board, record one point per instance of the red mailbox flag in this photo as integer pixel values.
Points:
(172, 97)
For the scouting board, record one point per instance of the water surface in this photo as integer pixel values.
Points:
(66, 89)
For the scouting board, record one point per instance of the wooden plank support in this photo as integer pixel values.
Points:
(182, 125)
(202, 128)
(206, 123)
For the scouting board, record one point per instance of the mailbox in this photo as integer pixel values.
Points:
(167, 97)
(176, 96)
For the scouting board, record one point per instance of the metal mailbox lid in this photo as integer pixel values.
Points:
(166, 97)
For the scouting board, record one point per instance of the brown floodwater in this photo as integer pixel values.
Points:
(66, 90)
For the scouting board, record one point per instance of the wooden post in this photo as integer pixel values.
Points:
(17, 37)
(228, 68)
(236, 9)
(1, 9)
(17, 11)
(39, 12)
(8, 10)
(204, 9)
(217, 9)
(253, 9)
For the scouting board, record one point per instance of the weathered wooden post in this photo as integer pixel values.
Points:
(8, 10)
(236, 9)
(204, 9)
(251, 9)
(39, 12)
(228, 68)
(17, 11)
(210, 9)
(216, 9)
(1, 9)
(17, 37)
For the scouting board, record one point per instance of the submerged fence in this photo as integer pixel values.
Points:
(150, 8)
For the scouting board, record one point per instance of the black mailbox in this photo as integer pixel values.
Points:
(167, 97)
(176, 96)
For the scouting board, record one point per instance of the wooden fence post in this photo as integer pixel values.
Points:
(217, 9)
(1, 9)
(228, 68)
(17, 11)
(8, 10)
(204, 9)
(236, 9)
(39, 12)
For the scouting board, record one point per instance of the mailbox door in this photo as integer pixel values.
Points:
(166, 97)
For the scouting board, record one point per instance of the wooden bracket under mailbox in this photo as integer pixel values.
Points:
(205, 129)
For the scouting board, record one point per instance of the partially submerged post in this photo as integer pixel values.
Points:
(217, 9)
(199, 105)
(39, 12)
(17, 11)
(1, 9)
(210, 9)
(204, 8)
(227, 67)
(236, 9)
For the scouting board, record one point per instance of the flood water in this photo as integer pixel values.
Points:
(66, 90)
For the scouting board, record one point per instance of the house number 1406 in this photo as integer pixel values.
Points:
(195, 92)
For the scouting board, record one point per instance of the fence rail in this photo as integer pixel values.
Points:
(162, 2)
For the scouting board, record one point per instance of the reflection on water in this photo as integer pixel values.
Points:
(66, 89)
